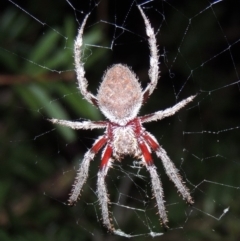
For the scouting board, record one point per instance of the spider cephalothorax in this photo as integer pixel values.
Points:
(119, 98)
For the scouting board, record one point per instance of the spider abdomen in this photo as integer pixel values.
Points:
(120, 94)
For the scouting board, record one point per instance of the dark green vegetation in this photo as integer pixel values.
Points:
(37, 82)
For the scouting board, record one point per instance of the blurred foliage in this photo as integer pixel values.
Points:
(38, 160)
(24, 211)
(47, 50)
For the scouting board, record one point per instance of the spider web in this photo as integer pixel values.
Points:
(199, 53)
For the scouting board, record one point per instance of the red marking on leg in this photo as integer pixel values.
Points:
(152, 143)
(106, 156)
(99, 144)
(136, 125)
(146, 153)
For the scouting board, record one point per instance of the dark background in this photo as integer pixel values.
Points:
(199, 44)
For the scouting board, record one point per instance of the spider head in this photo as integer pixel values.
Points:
(120, 94)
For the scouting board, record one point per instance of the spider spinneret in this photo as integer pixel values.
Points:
(119, 98)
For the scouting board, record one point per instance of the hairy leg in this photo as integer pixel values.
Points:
(83, 169)
(101, 187)
(85, 125)
(169, 167)
(174, 175)
(159, 115)
(154, 69)
(82, 81)
(156, 183)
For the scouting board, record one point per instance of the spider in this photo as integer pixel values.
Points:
(119, 98)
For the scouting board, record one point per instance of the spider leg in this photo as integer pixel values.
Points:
(101, 187)
(83, 169)
(80, 125)
(169, 167)
(102, 192)
(82, 81)
(154, 69)
(159, 115)
(156, 183)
